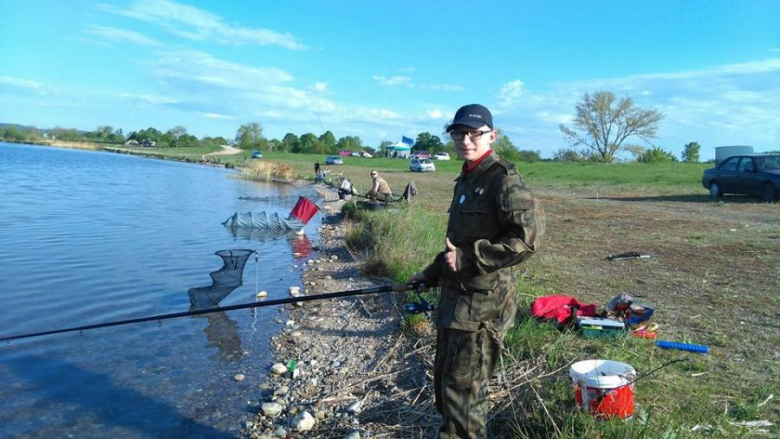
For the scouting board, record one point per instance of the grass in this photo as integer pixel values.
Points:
(704, 282)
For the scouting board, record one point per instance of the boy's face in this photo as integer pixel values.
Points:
(472, 143)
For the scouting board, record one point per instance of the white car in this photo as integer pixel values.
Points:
(441, 156)
(421, 165)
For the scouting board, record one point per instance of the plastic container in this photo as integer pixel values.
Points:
(604, 388)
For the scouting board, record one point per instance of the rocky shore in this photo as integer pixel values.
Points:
(344, 368)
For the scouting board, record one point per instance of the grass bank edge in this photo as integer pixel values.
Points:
(397, 243)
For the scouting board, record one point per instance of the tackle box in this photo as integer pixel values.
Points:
(598, 327)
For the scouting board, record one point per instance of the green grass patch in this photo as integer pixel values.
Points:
(678, 400)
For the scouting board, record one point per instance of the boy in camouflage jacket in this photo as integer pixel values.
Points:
(495, 223)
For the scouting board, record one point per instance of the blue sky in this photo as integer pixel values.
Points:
(383, 69)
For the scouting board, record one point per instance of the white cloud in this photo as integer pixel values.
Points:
(435, 114)
(186, 67)
(120, 35)
(510, 92)
(198, 24)
(321, 86)
(407, 69)
(726, 104)
(393, 80)
(146, 99)
(217, 116)
(26, 86)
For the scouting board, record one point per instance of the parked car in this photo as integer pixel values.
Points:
(366, 155)
(257, 154)
(333, 160)
(345, 153)
(422, 155)
(441, 156)
(421, 165)
(753, 174)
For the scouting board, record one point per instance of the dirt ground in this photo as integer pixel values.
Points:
(714, 276)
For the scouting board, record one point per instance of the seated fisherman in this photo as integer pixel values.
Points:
(345, 188)
(380, 191)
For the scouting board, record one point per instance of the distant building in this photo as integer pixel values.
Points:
(131, 142)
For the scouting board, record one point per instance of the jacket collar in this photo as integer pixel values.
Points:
(481, 167)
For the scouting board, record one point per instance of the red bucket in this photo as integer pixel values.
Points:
(604, 388)
(304, 209)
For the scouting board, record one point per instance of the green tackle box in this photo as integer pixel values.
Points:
(598, 327)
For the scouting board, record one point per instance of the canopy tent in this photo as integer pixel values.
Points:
(400, 149)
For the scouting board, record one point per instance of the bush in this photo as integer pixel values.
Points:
(657, 155)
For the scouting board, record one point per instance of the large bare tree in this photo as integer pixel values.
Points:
(604, 122)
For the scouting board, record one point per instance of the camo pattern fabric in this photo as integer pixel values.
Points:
(465, 362)
(496, 223)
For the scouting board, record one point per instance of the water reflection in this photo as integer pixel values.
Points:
(301, 246)
(222, 334)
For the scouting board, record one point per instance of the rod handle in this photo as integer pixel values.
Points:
(689, 347)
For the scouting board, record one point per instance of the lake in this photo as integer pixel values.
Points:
(89, 237)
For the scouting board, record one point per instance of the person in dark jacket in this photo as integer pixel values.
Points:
(495, 223)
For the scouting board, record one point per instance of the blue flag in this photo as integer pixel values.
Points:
(407, 140)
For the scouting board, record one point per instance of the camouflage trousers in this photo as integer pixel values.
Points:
(465, 363)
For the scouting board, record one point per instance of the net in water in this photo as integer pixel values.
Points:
(223, 281)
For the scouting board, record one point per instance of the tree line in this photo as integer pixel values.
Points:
(603, 126)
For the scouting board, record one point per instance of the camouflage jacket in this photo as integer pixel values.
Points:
(496, 223)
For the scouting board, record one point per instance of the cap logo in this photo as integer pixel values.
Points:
(478, 116)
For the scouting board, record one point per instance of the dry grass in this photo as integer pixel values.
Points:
(264, 170)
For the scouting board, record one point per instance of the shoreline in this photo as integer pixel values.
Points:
(356, 370)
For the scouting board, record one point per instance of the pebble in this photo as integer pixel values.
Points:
(353, 435)
(290, 323)
(271, 409)
(281, 391)
(303, 422)
(262, 294)
(320, 415)
(278, 368)
(295, 334)
(354, 407)
(280, 432)
(239, 377)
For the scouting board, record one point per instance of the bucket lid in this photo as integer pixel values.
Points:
(605, 374)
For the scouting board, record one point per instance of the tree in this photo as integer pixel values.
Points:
(657, 155)
(308, 142)
(526, 155)
(177, 131)
(351, 143)
(291, 143)
(428, 142)
(250, 136)
(505, 148)
(691, 152)
(567, 155)
(604, 122)
(274, 145)
(382, 148)
(328, 141)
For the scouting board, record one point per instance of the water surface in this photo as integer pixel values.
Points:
(88, 237)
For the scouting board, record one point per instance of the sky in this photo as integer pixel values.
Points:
(385, 69)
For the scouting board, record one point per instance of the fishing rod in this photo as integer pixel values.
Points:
(348, 293)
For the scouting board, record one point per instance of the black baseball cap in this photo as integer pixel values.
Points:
(472, 115)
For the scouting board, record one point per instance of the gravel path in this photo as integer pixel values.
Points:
(355, 369)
